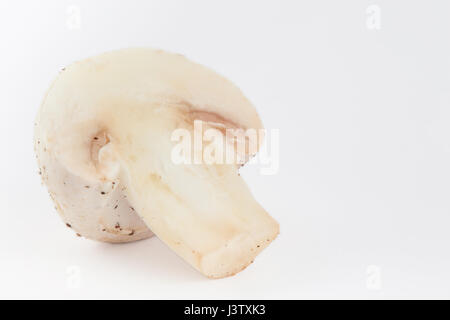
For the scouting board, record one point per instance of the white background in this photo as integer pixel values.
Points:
(363, 189)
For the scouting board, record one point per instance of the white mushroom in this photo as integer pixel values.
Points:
(103, 141)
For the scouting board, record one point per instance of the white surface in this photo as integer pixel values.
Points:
(362, 194)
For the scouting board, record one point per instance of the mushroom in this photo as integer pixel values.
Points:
(104, 142)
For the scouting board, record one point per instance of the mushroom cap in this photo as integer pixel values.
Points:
(97, 210)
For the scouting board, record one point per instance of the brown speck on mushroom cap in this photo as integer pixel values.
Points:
(68, 224)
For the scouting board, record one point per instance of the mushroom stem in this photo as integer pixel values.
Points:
(204, 212)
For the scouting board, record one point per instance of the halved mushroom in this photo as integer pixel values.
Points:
(104, 146)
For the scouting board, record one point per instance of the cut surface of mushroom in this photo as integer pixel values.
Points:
(107, 123)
